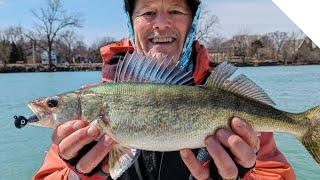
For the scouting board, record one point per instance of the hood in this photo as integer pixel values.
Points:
(185, 62)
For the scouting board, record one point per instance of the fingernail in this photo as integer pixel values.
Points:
(184, 153)
(92, 131)
(238, 122)
(77, 125)
(107, 141)
(78, 168)
(222, 133)
(210, 141)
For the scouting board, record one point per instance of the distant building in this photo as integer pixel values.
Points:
(293, 46)
(45, 58)
(81, 58)
(308, 43)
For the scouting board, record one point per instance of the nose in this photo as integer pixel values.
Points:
(161, 21)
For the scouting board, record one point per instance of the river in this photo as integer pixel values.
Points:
(293, 89)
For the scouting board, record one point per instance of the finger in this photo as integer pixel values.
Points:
(246, 132)
(89, 161)
(226, 166)
(66, 129)
(105, 165)
(244, 154)
(195, 167)
(70, 146)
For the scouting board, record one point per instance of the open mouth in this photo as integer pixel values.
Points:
(45, 118)
(162, 40)
(39, 111)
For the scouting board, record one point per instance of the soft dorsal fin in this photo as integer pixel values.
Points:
(151, 69)
(240, 85)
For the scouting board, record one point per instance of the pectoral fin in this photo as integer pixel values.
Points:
(121, 159)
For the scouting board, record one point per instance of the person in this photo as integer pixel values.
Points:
(165, 27)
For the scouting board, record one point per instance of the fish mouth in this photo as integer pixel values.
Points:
(44, 115)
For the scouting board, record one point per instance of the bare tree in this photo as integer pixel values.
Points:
(296, 37)
(267, 41)
(208, 24)
(80, 51)
(67, 43)
(4, 51)
(291, 46)
(279, 38)
(241, 45)
(1, 35)
(255, 46)
(216, 46)
(15, 34)
(51, 20)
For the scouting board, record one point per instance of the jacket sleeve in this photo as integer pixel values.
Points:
(271, 163)
(53, 167)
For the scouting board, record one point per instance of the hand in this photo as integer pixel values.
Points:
(73, 136)
(242, 141)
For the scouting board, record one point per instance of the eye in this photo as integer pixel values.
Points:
(148, 13)
(52, 102)
(175, 12)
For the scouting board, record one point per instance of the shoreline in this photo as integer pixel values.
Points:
(17, 68)
(22, 68)
(266, 63)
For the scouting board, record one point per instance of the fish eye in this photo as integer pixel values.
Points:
(52, 102)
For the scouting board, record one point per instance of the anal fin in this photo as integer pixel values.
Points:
(121, 159)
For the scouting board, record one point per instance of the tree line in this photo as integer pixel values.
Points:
(281, 47)
(18, 45)
(53, 34)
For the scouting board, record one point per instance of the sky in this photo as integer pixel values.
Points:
(106, 17)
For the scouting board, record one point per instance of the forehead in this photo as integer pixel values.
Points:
(142, 3)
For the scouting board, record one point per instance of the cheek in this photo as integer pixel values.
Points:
(183, 28)
(140, 27)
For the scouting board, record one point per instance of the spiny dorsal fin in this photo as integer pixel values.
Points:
(151, 69)
(240, 85)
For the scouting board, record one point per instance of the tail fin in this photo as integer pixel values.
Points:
(311, 140)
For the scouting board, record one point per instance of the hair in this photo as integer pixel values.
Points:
(130, 4)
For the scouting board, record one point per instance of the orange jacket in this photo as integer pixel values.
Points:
(270, 165)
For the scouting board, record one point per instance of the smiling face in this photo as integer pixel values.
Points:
(161, 26)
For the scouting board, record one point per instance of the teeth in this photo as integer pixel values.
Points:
(162, 40)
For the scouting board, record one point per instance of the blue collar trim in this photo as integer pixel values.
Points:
(185, 61)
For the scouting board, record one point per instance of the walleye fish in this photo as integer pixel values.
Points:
(153, 107)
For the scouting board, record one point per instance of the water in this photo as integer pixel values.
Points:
(294, 89)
